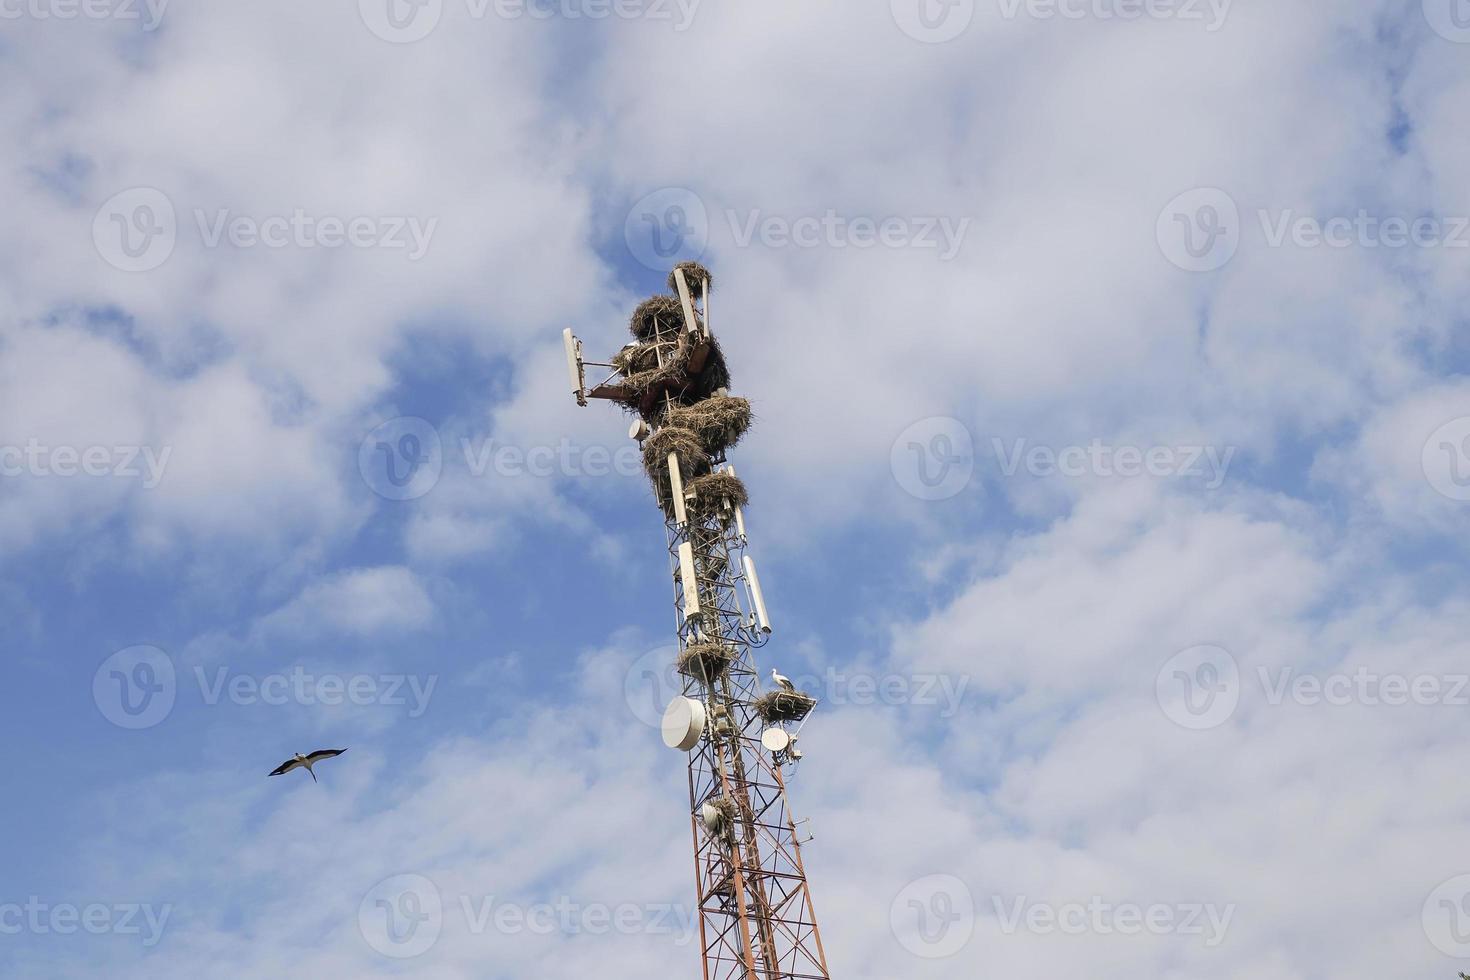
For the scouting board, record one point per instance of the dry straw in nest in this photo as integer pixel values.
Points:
(655, 315)
(684, 445)
(694, 274)
(705, 661)
(719, 421)
(640, 358)
(781, 706)
(717, 495)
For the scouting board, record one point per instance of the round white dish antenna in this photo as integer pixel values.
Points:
(683, 724)
(775, 739)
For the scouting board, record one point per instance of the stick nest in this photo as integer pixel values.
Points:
(657, 314)
(645, 390)
(705, 661)
(694, 274)
(686, 448)
(641, 358)
(719, 420)
(781, 706)
(716, 495)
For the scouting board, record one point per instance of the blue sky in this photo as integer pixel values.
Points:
(1108, 364)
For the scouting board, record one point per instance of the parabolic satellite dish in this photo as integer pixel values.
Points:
(683, 723)
(775, 739)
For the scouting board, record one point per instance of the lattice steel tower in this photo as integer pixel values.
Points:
(757, 920)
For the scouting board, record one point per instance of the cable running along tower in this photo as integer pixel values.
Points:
(756, 917)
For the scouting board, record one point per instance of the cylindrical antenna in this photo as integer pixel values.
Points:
(762, 619)
(676, 487)
(739, 512)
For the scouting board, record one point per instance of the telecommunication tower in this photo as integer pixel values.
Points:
(756, 916)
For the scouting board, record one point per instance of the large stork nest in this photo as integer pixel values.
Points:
(779, 706)
(705, 661)
(649, 391)
(643, 358)
(719, 420)
(716, 495)
(694, 275)
(686, 448)
(657, 314)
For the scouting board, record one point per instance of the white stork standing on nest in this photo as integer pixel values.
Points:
(300, 761)
(782, 681)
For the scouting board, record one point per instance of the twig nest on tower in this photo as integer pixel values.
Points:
(695, 275)
(686, 448)
(716, 495)
(705, 661)
(779, 706)
(711, 378)
(657, 314)
(719, 421)
(640, 358)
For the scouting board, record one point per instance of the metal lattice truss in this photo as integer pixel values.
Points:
(757, 920)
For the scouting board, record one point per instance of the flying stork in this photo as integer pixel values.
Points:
(783, 681)
(300, 761)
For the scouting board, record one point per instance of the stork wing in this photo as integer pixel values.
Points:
(321, 754)
(286, 767)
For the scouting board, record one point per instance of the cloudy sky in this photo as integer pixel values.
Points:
(1110, 480)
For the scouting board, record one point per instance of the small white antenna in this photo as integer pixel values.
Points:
(690, 580)
(756, 597)
(575, 371)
